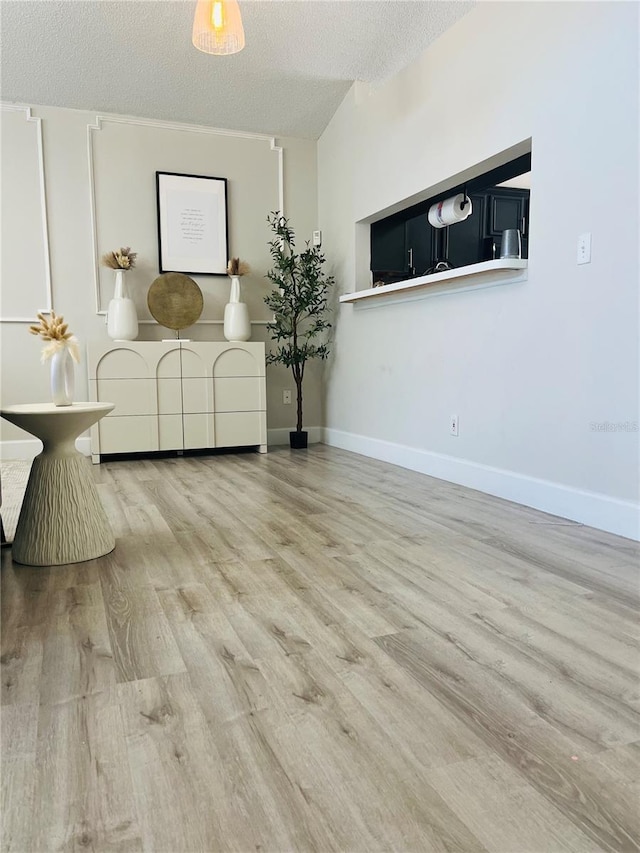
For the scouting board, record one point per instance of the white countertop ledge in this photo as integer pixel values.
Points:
(482, 270)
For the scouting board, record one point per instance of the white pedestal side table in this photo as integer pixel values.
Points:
(62, 519)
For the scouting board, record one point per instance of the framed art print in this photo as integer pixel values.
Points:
(192, 224)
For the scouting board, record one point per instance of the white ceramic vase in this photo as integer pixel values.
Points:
(237, 325)
(62, 378)
(122, 318)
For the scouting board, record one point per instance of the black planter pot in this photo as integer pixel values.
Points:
(298, 440)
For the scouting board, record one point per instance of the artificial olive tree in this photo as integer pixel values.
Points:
(298, 302)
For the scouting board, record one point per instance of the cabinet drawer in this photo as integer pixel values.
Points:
(197, 395)
(169, 396)
(239, 394)
(197, 359)
(238, 361)
(198, 431)
(239, 429)
(127, 435)
(170, 432)
(135, 359)
(130, 396)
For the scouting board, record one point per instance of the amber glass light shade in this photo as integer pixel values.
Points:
(217, 27)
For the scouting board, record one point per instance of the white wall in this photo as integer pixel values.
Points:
(125, 155)
(527, 367)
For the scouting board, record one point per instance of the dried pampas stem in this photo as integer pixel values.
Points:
(237, 267)
(120, 259)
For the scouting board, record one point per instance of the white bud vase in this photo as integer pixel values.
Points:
(62, 378)
(122, 318)
(237, 325)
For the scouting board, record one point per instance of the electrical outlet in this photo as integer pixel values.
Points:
(584, 248)
(286, 397)
(453, 424)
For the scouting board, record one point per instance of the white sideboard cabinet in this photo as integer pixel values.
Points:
(182, 395)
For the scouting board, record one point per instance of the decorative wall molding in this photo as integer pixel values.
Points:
(48, 300)
(163, 125)
(590, 508)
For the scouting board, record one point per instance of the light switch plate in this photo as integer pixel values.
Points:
(584, 248)
(317, 238)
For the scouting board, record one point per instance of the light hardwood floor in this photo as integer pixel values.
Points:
(315, 651)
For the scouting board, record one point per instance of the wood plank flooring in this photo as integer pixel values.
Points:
(316, 651)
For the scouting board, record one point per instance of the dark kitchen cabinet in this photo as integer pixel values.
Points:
(419, 244)
(388, 245)
(507, 208)
(401, 245)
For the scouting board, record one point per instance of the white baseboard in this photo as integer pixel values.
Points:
(590, 508)
(29, 448)
(281, 436)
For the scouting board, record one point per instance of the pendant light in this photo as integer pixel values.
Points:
(217, 27)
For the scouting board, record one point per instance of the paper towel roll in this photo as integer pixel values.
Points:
(450, 210)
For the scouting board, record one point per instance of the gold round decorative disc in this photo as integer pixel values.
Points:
(175, 300)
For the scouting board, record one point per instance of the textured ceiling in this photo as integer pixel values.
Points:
(135, 57)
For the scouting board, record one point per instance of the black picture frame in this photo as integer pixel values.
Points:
(192, 224)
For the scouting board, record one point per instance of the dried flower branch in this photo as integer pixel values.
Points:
(237, 267)
(121, 259)
(56, 331)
